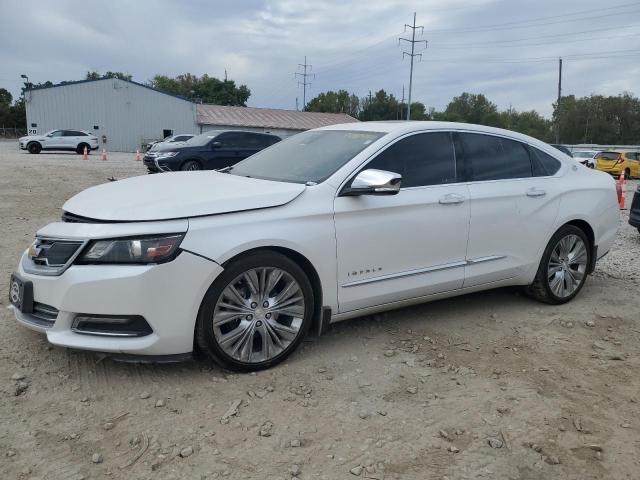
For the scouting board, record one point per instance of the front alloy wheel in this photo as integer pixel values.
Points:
(256, 313)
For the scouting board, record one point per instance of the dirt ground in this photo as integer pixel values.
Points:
(491, 385)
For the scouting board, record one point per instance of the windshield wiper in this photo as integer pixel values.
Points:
(226, 169)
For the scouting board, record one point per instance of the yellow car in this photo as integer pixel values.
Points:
(617, 161)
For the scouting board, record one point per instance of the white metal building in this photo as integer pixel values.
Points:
(130, 114)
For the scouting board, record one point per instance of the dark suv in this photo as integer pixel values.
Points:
(212, 150)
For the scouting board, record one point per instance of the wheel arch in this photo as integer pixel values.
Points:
(304, 263)
(31, 142)
(585, 227)
(192, 159)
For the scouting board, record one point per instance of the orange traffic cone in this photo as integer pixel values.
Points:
(621, 188)
(137, 155)
(85, 154)
(104, 154)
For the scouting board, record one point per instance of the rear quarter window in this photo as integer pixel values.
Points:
(544, 165)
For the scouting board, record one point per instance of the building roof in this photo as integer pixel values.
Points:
(76, 82)
(267, 117)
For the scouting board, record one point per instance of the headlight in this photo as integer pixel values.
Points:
(166, 155)
(142, 250)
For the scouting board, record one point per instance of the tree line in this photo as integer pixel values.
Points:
(593, 119)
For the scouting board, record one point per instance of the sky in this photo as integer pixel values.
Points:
(505, 49)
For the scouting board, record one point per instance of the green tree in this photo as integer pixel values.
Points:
(381, 106)
(472, 108)
(5, 97)
(335, 102)
(93, 75)
(206, 89)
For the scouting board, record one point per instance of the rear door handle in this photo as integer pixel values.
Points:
(451, 199)
(534, 192)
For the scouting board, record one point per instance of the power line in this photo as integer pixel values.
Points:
(538, 37)
(518, 24)
(304, 75)
(411, 55)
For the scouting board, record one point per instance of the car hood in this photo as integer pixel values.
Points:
(179, 195)
(32, 137)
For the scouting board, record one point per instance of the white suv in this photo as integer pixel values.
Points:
(73, 140)
(326, 225)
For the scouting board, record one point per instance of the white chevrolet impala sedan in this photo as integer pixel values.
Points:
(329, 224)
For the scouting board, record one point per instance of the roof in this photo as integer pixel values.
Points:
(66, 84)
(267, 117)
(401, 127)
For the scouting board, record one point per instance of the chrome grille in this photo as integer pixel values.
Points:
(51, 256)
(53, 253)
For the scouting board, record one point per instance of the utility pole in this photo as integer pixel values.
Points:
(413, 42)
(304, 75)
(559, 97)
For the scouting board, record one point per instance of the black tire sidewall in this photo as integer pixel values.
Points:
(205, 337)
(34, 148)
(80, 149)
(542, 271)
(184, 166)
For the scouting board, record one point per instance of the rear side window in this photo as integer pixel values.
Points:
(73, 133)
(495, 158)
(608, 156)
(544, 165)
(421, 159)
(232, 140)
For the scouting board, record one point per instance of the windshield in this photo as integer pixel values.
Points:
(311, 156)
(203, 139)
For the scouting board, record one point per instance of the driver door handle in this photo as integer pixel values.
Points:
(534, 192)
(451, 199)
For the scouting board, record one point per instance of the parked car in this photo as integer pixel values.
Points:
(212, 150)
(634, 211)
(586, 157)
(617, 161)
(73, 140)
(562, 148)
(172, 140)
(327, 225)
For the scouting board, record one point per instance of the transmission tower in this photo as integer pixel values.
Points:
(411, 55)
(304, 76)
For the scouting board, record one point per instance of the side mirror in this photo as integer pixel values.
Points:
(215, 145)
(374, 182)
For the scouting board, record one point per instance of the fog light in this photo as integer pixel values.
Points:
(111, 325)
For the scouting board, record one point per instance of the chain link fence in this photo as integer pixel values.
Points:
(12, 132)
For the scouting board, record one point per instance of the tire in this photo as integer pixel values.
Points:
(34, 148)
(246, 315)
(191, 166)
(627, 174)
(560, 287)
(80, 149)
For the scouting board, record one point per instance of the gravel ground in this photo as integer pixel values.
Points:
(490, 385)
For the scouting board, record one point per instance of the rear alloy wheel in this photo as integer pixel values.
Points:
(34, 148)
(190, 166)
(256, 313)
(563, 268)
